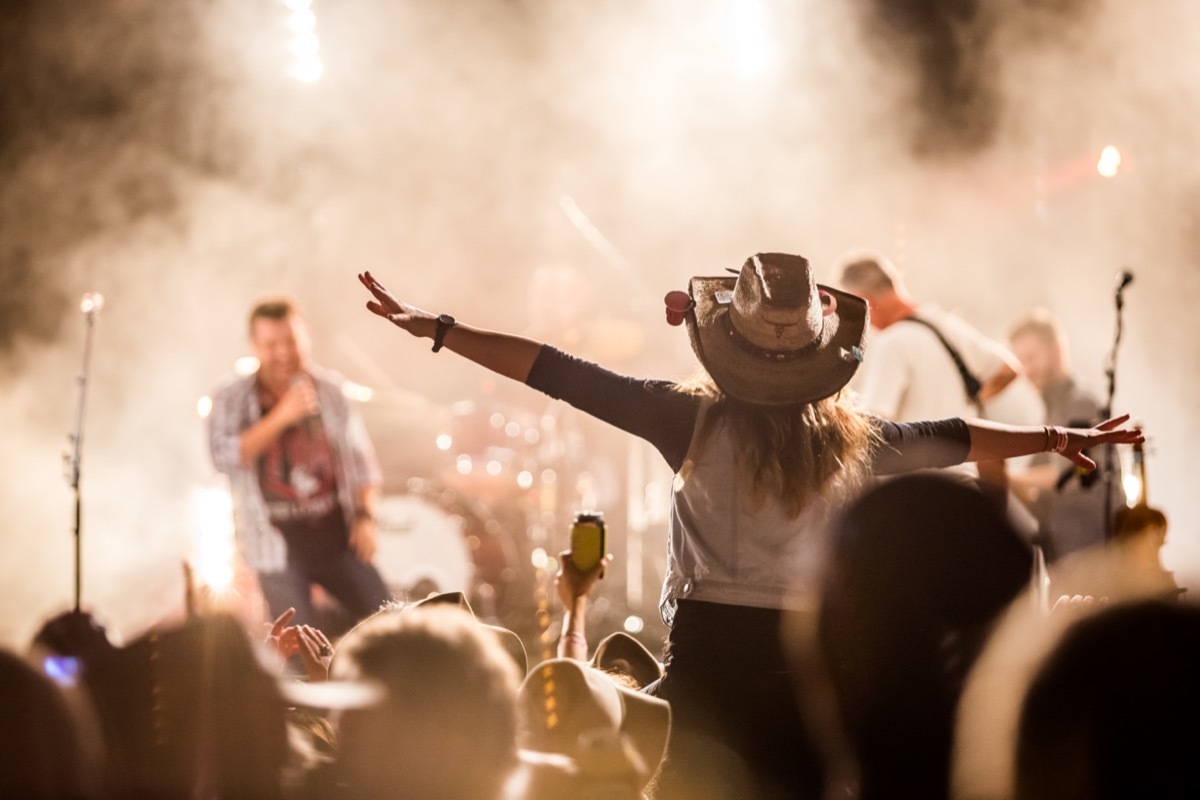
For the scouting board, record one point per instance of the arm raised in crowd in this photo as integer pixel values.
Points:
(993, 441)
(502, 353)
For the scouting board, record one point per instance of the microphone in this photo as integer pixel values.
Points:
(312, 422)
(1124, 279)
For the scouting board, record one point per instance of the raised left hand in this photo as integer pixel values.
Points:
(1111, 431)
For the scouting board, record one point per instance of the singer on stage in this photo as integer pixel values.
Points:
(302, 471)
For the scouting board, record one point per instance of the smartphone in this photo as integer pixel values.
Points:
(63, 670)
(589, 540)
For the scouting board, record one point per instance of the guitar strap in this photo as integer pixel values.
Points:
(971, 383)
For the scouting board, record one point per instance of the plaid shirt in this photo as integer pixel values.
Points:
(235, 408)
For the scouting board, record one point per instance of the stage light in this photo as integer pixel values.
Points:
(302, 21)
(463, 465)
(1132, 484)
(513, 429)
(305, 46)
(494, 467)
(748, 35)
(538, 558)
(213, 548)
(246, 365)
(1110, 161)
(309, 70)
(525, 479)
(444, 442)
(357, 392)
(204, 406)
(91, 302)
(634, 624)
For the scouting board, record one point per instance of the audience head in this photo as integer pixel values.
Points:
(509, 640)
(1111, 711)
(42, 752)
(192, 710)
(447, 726)
(1023, 640)
(74, 633)
(921, 566)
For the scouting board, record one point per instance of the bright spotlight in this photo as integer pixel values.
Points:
(246, 365)
(1110, 161)
(634, 624)
(748, 35)
(302, 21)
(213, 544)
(1132, 484)
(305, 46)
(92, 301)
(538, 558)
(525, 479)
(357, 392)
(204, 406)
(463, 465)
(444, 442)
(309, 70)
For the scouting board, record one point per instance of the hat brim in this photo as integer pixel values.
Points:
(817, 372)
(623, 653)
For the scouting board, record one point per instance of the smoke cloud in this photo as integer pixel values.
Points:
(161, 154)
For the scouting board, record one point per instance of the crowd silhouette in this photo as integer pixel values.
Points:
(847, 620)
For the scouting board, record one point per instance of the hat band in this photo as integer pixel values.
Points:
(773, 356)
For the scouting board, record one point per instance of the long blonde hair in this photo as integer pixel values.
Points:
(792, 453)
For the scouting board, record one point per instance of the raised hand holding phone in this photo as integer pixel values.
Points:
(589, 540)
(579, 569)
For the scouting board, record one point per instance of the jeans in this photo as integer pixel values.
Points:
(737, 730)
(356, 585)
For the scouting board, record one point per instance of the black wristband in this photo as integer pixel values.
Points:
(444, 323)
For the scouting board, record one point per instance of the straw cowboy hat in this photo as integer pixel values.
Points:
(771, 336)
(620, 652)
(566, 704)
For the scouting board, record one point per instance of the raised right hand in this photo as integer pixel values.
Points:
(402, 315)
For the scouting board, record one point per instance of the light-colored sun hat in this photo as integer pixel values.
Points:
(565, 704)
(771, 335)
(620, 652)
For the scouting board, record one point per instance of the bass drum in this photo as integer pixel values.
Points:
(434, 539)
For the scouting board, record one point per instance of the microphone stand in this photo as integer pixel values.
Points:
(1111, 373)
(91, 305)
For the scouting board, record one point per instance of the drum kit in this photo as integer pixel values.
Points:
(470, 495)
